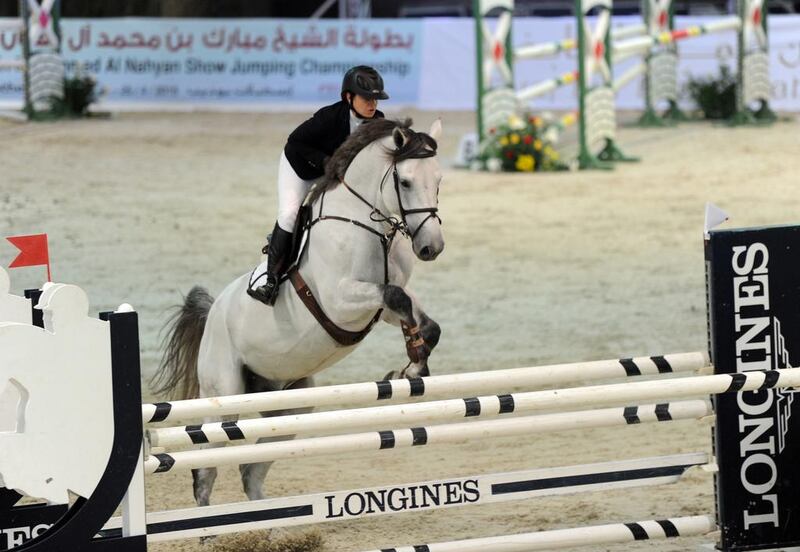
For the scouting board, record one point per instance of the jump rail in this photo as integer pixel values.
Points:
(644, 43)
(343, 505)
(580, 536)
(428, 387)
(552, 48)
(401, 438)
(404, 415)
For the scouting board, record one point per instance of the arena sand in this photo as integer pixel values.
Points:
(541, 268)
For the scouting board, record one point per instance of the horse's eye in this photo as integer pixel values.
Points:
(405, 183)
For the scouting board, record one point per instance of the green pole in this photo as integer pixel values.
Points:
(585, 158)
(480, 10)
(674, 113)
(509, 47)
(26, 56)
(478, 15)
(649, 118)
(765, 113)
(56, 15)
(611, 151)
(744, 115)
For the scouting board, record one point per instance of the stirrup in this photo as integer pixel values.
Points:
(266, 295)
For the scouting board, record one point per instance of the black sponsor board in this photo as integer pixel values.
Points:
(754, 323)
(19, 524)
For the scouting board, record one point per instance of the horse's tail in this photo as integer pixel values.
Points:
(177, 373)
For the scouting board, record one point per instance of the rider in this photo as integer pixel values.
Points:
(303, 161)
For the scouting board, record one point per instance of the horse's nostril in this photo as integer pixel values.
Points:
(425, 252)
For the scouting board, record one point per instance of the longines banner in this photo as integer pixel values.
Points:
(284, 64)
(754, 288)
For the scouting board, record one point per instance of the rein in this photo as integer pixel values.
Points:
(340, 335)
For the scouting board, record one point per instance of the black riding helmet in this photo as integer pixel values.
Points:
(364, 81)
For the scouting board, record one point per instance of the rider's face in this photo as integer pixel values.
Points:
(364, 107)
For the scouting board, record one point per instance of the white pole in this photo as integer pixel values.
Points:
(628, 31)
(406, 415)
(728, 24)
(551, 48)
(622, 56)
(644, 43)
(629, 75)
(491, 488)
(543, 88)
(545, 49)
(580, 536)
(633, 45)
(358, 394)
(432, 435)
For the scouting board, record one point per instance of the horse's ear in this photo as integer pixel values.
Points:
(399, 137)
(436, 129)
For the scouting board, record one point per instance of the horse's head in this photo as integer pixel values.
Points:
(411, 192)
(394, 170)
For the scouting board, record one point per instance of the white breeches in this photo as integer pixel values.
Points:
(292, 191)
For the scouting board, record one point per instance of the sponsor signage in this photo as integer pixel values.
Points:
(754, 293)
(236, 62)
(19, 524)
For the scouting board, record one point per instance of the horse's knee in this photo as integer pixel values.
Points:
(202, 484)
(398, 301)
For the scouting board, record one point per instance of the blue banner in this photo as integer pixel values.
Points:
(233, 61)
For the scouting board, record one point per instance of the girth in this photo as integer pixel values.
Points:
(342, 337)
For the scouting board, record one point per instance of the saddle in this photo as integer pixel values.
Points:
(300, 235)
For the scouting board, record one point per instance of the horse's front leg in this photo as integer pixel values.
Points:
(421, 333)
(402, 309)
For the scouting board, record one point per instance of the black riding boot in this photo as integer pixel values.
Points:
(278, 250)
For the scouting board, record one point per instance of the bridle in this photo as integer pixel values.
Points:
(402, 226)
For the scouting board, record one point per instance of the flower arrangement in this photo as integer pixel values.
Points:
(521, 145)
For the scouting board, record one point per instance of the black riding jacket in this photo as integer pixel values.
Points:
(317, 138)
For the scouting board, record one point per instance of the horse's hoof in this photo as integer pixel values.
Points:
(394, 374)
(416, 371)
(424, 372)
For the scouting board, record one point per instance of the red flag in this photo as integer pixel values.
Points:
(33, 251)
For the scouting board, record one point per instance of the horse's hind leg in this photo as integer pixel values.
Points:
(253, 475)
(203, 478)
(218, 374)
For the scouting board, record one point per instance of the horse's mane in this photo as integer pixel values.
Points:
(417, 145)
